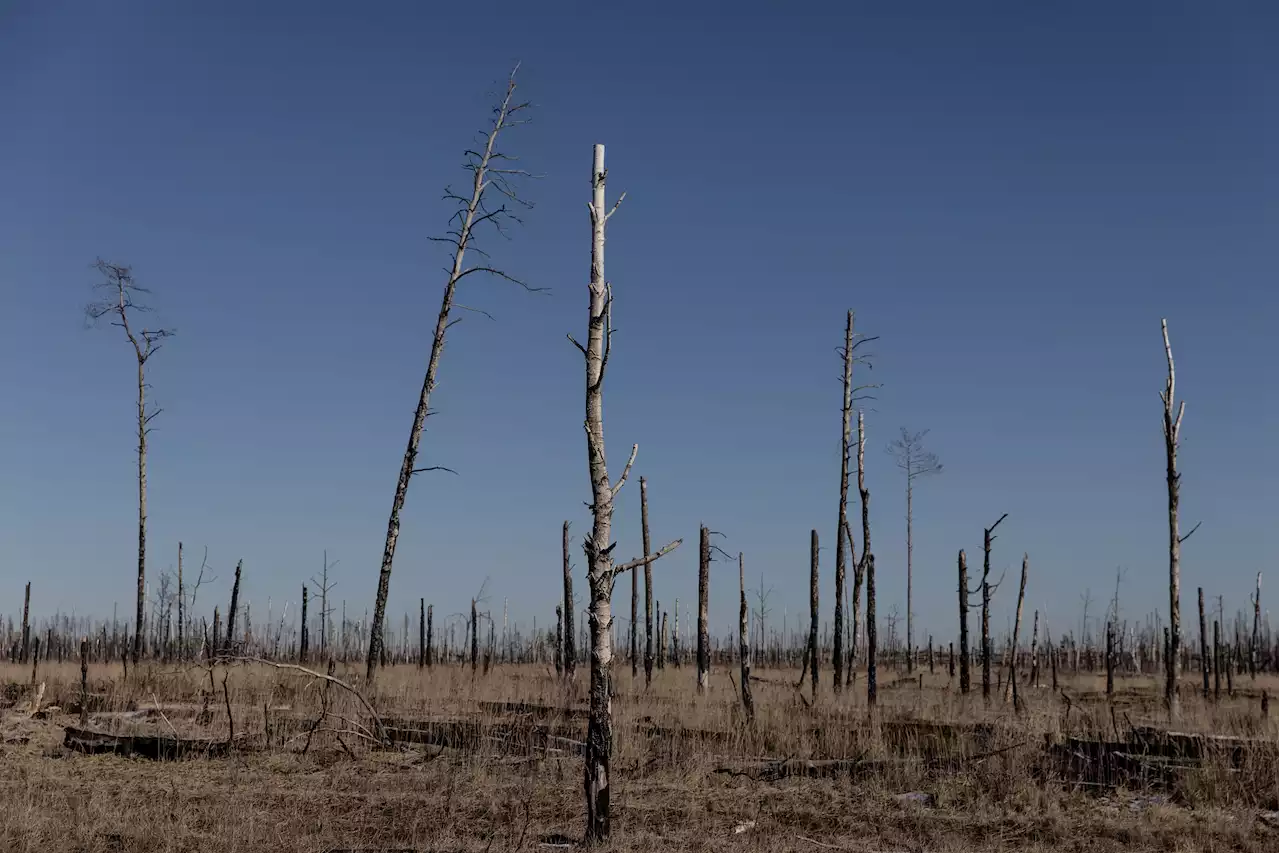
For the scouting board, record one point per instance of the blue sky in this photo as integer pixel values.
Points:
(1010, 195)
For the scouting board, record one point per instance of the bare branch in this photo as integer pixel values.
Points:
(580, 347)
(433, 468)
(644, 561)
(1182, 539)
(626, 470)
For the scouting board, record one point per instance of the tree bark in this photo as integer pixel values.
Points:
(559, 639)
(231, 611)
(570, 653)
(305, 637)
(1111, 681)
(842, 519)
(471, 213)
(648, 584)
(1204, 647)
(744, 646)
(813, 613)
(1172, 427)
(142, 507)
(182, 648)
(1257, 624)
(871, 627)
(26, 624)
(964, 623)
(855, 605)
(1035, 641)
(704, 582)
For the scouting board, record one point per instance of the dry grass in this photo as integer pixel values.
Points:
(500, 793)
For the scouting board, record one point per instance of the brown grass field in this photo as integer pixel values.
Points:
(687, 771)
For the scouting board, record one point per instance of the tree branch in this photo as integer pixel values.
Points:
(644, 561)
(1182, 539)
(625, 471)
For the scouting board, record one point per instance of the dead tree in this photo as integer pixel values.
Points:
(559, 639)
(323, 587)
(490, 173)
(601, 570)
(813, 613)
(914, 461)
(430, 634)
(182, 654)
(1204, 648)
(570, 653)
(122, 299)
(964, 623)
(1012, 685)
(1257, 624)
(648, 583)
(231, 611)
(704, 583)
(1172, 428)
(304, 639)
(987, 589)
(1035, 642)
(26, 624)
(744, 646)
(868, 560)
(842, 519)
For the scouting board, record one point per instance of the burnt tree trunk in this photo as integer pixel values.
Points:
(229, 644)
(182, 648)
(559, 639)
(987, 588)
(964, 623)
(704, 580)
(305, 636)
(813, 612)
(744, 646)
(26, 624)
(1012, 686)
(871, 627)
(570, 653)
(1111, 659)
(1204, 646)
(648, 583)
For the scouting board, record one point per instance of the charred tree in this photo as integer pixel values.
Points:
(122, 299)
(559, 639)
(182, 648)
(230, 641)
(814, 661)
(914, 461)
(1172, 428)
(601, 570)
(304, 639)
(1204, 648)
(842, 518)
(491, 174)
(704, 583)
(987, 589)
(964, 623)
(648, 583)
(26, 624)
(570, 653)
(744, 646)
(868, 560)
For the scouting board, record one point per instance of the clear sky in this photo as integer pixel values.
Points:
(1011, 195)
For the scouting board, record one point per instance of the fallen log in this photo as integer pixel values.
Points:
(771, 770)
(156, 748)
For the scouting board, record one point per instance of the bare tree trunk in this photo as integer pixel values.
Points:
(1111, 658)
(842, 519)
(987, 589)
(84, 682)
(231, 611)
(1204, 647)
(704, 582)
(855, 604)
(1017, 627)
(744, 646)
(813, 612)
(1257, 624)
(662, 639)
(430, 634)
(964, 623)
(471, 213)
(648, 584)
(910, 647)
(559, 639)
(635, 635)
(1217, 662)
(871, 627)
(475, 639)
(570, 653)
(1172, 426)
(422, 633)
(182, 648)
(601, 571)
(304, 641)
(1035, 641)
(26, 624)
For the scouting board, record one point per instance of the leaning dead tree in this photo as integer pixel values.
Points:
(491, 175)
(1011, 686)
(914, 461)
(1172, 428)
(601, 570)
(122, 299)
